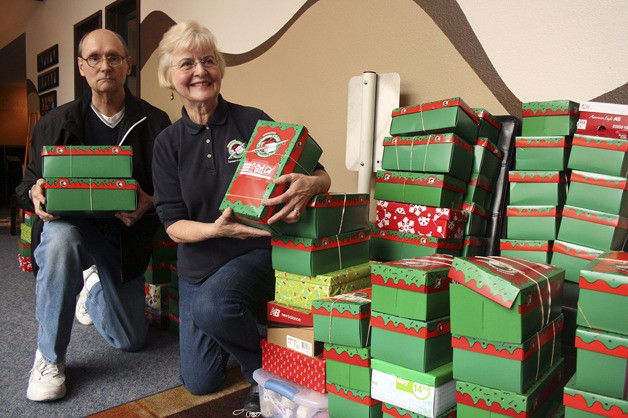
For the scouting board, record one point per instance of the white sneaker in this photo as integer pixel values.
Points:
(82, 315)
(47, 381)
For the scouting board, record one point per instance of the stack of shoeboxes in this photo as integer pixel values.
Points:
(24, 255)
(600, 387)
(506, 325)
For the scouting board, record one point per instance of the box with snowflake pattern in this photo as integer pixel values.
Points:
(437, 190)
(90, 197)
(392, 245)
(549, 118)
(82, 161)
(422, 220)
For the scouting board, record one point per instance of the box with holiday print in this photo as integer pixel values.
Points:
(542, 153)
(438, 190)
(348, 366)
(25, 264)
(343, 319)
(427, 393)
(571, 258)
(603, 119)
(274, 149)
(422, 220)
(392, 245)
(477, 219)
(583, 404)
(503, 299)
(533, 222)
(159, 272)
(393, 411)
(292, 328)
(549, 118)
(90, 197)
(537, 188)
(474, 246)
(314, 256)
(156, 296)
(26, 232)
(512, 367)
(479, 190)
(449, 115)
(346, 402)
(539, 251)
(487, 159)
(28, 219)
(413, 288)
(489, 127)
(590, 228)
(24, 248)
(416, 345)
(331, 214)
(539, 401)
(83, 161)
(305, 370)
(595, 154)
(598, 192)
(438, 153)
(602, 303)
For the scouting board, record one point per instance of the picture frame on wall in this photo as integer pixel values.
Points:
(48, 58)
(47, 102)
(48, 80)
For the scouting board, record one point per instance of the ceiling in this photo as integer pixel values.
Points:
(13, 19)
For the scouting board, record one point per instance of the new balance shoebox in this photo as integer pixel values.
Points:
(352, 403)
(443, 116)
(87, 161)
(438, 153)
(477, 219)
(539, 251)
(549, 118)
(414, 288)
(348, 366)
(583, 404)
(314, 256)
(392, 245)
(512, 367)
(571, 258)
(274, 149)
(474, 246)
(292, 328)
(305, 370)
(603, 299)
(416, 345)
(598, 192)
(537, 188)
(331, 214)
(590, 228)
(487, 159)
(343, 319)
(533, 222)
(423, 220)
(595, 154)
(489, 127)
(438, 190)
(503, 298)
(394, 411)
(90, 197)
(540, 401)
(603, 119)
(543, 153)
(479, 190)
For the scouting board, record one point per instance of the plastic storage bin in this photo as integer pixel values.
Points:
(281, 398)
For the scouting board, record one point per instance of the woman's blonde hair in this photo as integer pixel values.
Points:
(185, 36)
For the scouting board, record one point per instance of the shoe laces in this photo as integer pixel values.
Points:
(45, 369)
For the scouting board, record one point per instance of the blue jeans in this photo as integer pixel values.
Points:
(218, 319)
(67, 247)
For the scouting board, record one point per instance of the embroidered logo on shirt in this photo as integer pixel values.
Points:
(236, 148)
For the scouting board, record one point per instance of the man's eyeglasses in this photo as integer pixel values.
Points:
(95, 61)
(188, 64)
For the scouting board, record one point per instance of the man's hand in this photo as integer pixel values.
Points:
(38, 196)
(144, 204)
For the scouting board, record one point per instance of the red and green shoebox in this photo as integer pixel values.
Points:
(416, 345)
(443, 116)
(414, 288)
(539, 251)
(598, 192)
(477, 219)
(274, 149)
(438, 190)
(542, 153)
(392, 245)
(343, 319)
(305, 370)
(604, 284)
(602, 362)
(503, 299)
(438, 153)
(549, 118)
(533, 222)
(572, 257)
(348, 366)
(474, 246)
(24, 248)
(90, 196)
(82, 161)
(344, 402)
(159, 272)
(489, 126)
(427, 393)
(423, 220)
(582, 404)
(603, 119)
(29, 219)
(393, 411)
(314, 256)
(595, 154)
(479, 190)
(513, 367)
(537, 188)
(540, 401)
(487, 159)
(330, 214)
(299, 290)
(590, 228)
(292, 328)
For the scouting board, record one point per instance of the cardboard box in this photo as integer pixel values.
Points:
(81, 161)
(296, 367)
(603, 119)
(503, 298)
(537, 188)
(393, 411)
(449, 115)
(274, 149)
(438, 153)
(438, 190)
(90, 197)
(343, 319)
(533, 222)
(314, 256)
(331, 214)
(539, 251)
(416, 345)
(487, 159)
(571, 258)
(474, 246)
(582, 404)
(477, 219)
(421, 220)
(545, 153)
(292, 328)
(489, 127)
(416, 288)
(550, 118)
(598, 192)
(593, 229)
(595, 154)
(352, 403)
(393, 245)
(348, 366)
(479, 191)
(512, 367)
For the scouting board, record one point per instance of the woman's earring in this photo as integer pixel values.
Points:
(171, 96)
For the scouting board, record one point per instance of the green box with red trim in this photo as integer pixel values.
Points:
(549, 118)
(580, 403)
(604, 284)
(159, 272)
(314, 256)
(489, 127)
(474, 246)
(533, 222)
(29, 218)
(572, 257)
(438, 153)
(443, 116)
(598, 192)
(344, 402)
(595, 154)
(82, 161)
(537, 188)
(504, 299)
(487, 159)
(590, 228)
(438, 190)
(479, 190)
(343, 319)
(414, 288)
(539, 251)
(393, 411)
(23, 248)
(477, 219)
(392, 245)
(416, 345)
(348, 366)
(274, 149)
(512, 367)
(544, 153)
(90, 197)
